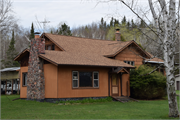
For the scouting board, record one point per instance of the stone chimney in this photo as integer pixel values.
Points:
(117, 35)
(40, 42)
(35, 76)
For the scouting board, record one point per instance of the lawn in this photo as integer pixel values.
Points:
(22, 109)
(178, 92)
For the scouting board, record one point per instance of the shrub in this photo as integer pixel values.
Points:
(147, 86)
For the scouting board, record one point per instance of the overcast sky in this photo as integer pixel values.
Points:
(73, 12)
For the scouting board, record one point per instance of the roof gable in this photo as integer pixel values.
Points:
(45, 35)
(127, 45)
(21, 55)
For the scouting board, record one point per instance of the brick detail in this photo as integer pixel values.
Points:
(35, 77)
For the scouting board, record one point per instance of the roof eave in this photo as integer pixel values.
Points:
(16, 58)
(153, 62)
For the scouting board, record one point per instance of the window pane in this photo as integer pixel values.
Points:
(75, 83)
(75, 75)
(96, 83)
(53, 47)
(24, 78)
(128, 62)
(95, 75)
(85, 79)
(49, 47)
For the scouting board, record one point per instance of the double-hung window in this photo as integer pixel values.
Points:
(96, 79)
(75, 79)
(81, 79)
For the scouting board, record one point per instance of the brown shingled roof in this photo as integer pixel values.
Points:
(77, 44)
(71, 58)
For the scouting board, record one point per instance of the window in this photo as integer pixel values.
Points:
(24, 79)
(53, 47)
(85, 79)
(49, 47)
(96, 79)
(75, 79)
(130, 62)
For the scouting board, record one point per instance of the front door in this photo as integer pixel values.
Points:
(115, 85)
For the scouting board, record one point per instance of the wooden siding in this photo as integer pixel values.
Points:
(23, 89)
(130, 54)
(50, 74)
(65, 89)
(48, 42)
(125, 79)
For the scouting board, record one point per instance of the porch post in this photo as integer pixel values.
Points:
(12, 86)
(121, 82)
(18, 86)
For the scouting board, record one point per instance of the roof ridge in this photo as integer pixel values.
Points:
(86, 38)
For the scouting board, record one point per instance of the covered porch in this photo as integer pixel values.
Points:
(10, 83)
(119, 83)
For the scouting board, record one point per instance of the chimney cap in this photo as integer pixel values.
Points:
(37, 33)
(117, 29)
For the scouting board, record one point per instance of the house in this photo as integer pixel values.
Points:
(10, 80)
(60, 66)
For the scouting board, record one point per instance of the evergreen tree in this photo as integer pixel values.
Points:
(64, 30)
(10, 55)
(32, 32)
(123, 20)
(116, 22)
(128, 25)
(142, 24)
(133, 25)
(112, 22)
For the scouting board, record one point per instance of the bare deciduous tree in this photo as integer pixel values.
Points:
(6, 23)
(165, 29)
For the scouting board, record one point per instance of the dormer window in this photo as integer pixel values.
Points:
(130, 62)
(50, 47)
(53, 48)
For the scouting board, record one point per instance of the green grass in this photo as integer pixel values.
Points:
(22, 109)
(178, 92)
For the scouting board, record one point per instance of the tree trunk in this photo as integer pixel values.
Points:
(166, 29)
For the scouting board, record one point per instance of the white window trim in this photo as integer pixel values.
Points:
(75, 79)
(96, 79)
(130, 62)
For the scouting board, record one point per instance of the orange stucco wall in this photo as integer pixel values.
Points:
(50, 74)
(23, 90)
(128, 55)
(65, 89)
